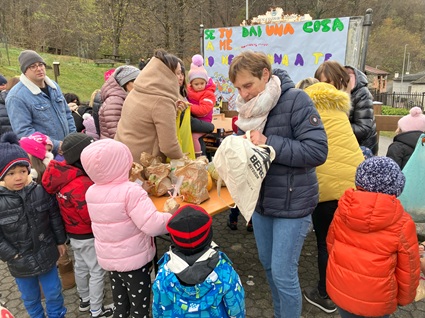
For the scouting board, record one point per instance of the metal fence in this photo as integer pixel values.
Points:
(400, 100)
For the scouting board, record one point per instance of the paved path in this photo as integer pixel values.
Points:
(384, 142)
(240, 247)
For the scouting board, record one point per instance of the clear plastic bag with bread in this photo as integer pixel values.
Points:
(195, 180)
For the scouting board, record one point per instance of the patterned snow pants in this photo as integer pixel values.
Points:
(131, 292)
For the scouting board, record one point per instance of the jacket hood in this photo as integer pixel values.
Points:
(285, 81)
(361, 79)
(409, 138)
(326, 97)
(112, 88)
(166, 85)
(205, 291)
(58, 174)
(367, 212)
(107, 161)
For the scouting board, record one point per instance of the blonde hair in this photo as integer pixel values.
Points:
(93, 95)
(306, 82)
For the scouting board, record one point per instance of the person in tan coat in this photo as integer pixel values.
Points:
(148, 118)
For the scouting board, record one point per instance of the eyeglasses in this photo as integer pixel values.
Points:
(34, 66)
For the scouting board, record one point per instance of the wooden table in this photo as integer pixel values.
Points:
(220, 121)
(213, 205)
(112, 56)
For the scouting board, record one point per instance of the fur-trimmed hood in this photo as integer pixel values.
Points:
(326, 97)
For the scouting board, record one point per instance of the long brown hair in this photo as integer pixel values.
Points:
(12, 82)
(335, 74)
(183, 90)
(38, 165)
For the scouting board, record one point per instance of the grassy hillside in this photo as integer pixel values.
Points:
(79, 76)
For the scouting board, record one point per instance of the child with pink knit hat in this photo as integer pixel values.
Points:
(35, 146)
(200, 94)
(409, 129)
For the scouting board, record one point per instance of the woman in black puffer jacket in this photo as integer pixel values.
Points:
(361, 115)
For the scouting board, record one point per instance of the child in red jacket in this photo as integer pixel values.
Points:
(200, 94)
(373, 261)
(70, 182)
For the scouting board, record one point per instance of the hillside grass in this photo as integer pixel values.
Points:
(77, 75)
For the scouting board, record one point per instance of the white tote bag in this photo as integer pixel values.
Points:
(243, 166)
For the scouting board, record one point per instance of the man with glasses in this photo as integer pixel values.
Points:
(36, 103)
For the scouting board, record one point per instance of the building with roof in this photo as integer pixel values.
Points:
(378, 79)
(412, 83)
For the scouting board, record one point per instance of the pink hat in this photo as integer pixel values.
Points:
(108, 74)
(35, 145)
(88, 123)
(414, 121)
(197, 69)
(49, 142)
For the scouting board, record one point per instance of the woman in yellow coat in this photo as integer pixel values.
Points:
(335, 176)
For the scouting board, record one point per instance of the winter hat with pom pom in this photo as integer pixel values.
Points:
(197, 69)
(414, 121)
(11, 154)
(89, 124)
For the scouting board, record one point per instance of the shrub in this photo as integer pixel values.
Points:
(388, 110)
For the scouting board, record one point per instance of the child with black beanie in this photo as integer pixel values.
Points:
(194, 277)
(70, 182)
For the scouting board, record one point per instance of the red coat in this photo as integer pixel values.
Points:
(373, 261)
(70, 185)
(203, 102)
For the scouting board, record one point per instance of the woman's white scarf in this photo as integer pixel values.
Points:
(253, 114)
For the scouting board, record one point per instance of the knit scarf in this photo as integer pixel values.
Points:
(253, 113)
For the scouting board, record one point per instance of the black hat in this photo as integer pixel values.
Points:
(3, 80)
(73, 145)
(11, 153)
(190, 229)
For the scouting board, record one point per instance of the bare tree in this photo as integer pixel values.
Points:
(115, 14)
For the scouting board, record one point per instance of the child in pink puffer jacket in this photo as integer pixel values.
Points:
(124, 222)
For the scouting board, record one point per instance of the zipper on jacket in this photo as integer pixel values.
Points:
(290, 189)
(261, 199)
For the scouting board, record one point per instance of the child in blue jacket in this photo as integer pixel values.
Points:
(195, 279)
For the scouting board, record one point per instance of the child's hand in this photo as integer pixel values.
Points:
(62, 249)
(173, 210)
(421, 248)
